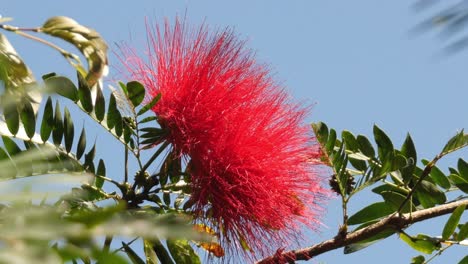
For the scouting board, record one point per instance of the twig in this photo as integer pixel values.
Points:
(394, 221)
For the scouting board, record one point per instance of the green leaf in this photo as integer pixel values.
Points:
(47, 122)
(418, 260)
(439, 178)
(464, 260)
(452, 222)
(182, 252)
(384, 144)
(463, 169)
(11, 117)
(365, 146)
(321, 132)
(161, 252)
(463, 233)
(369, 241)
(62, 86)
(113, 114)
(84, 94)
(331, 141)
(136, 92)
(150, 255)
(28, 118)
(350, 141)
(101, 170)
(460, 140)
(409, 151)
(370, 212)
(421, 245)
(429, 195)
(57, 132)
(148, 119)
(10, 146)
(69, 130)
(395, 200)
(87, 40)
(458, 181)
(149, 105)
(100, 105)
(132, 255)
(81, 146)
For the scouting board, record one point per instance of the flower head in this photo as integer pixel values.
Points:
(252, 179)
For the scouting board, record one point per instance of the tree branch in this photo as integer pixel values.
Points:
(394, 221)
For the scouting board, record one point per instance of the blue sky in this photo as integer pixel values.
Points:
(355, 61)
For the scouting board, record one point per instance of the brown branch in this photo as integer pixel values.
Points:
(394, 221)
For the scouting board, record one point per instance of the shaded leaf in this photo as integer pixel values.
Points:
(395, 200)
(321, 132)
(439, 178)
(69, 130)
(458, 181)
(101, 170)
(100, 105)
(429, 195)
(409, 151)
(384, 144)
(113, 114)
(57, 132)
(81, 146)
(365, 146)
(47, 122)
(418, 260)
(463, 169)
(84, 94)
(150, 255)
(463, 233)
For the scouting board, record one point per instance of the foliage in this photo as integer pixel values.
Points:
(80, 223)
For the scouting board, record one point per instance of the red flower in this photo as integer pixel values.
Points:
(252, 176)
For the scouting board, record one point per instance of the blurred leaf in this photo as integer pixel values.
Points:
(10, 145)
(452, 222)
(369, 241)
(47, 122)
(370, 212)
(136, 92)
(182, 252)
(62, 86)
(69, 130)
(28, 118)
(149, 105)
(81, 146)
(87, 40)
(13, 71)
(84, 94)
(350, 141)
(421, 245)
(331, 141)
(11, 118)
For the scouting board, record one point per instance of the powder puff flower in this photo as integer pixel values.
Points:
(253, 181)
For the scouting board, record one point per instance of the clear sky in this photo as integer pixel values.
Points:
(356, 61)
